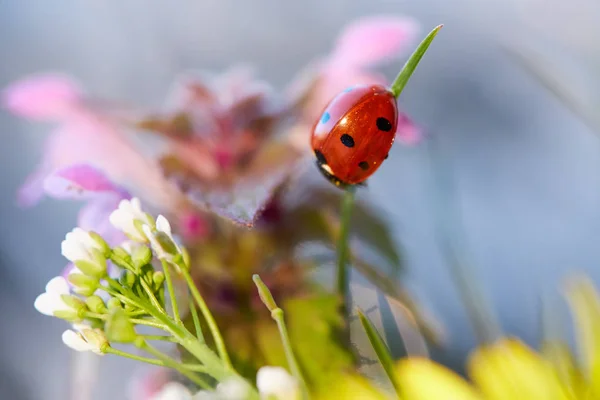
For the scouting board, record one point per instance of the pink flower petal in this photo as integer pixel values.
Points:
(371, 40)
(407, 132)
(79, 181)
(42, 97)
(193, 226)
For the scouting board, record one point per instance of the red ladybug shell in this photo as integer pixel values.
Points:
(355, 133)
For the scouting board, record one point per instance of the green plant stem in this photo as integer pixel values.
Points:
(210, 320)
(153, 361)
(169, 362)
(111, 282)
(171, 290)
(152, 297)
(277, 315)
(410, 66)
(159, 337)
(342, 283)
(381, 349)
(154, 324)
(196, 319)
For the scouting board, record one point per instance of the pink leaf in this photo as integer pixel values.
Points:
(374, 39)
(44, 97)
(79, 181)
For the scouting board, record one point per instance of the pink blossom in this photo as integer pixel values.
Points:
(84, 182)
(86, 134)
(362, 45)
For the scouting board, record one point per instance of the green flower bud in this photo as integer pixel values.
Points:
(68, 315)
(74, 302)
(146, 273)
(121, 258)
(93, 269)
(114, 303)
(264, 293)
(127, 278)
(118, 328)
(101, 242)
(84, 285)
(96, 304)
(158, 279)
(141, 256)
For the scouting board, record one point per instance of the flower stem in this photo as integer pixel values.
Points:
(169, 362)
(171, 290)
(212, 325)
(152, 297)
(196, 319)
(413, 61)
(153, 361)
(342, 283)
(159, 337)
(146, 322)
(277, 315)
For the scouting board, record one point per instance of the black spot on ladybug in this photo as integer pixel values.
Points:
(320, 157)
(363, 165)
(383, 124)
(347, 140)
(386, 156)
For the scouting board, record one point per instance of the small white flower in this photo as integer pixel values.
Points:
(78, 245)
(85, 339)
(162, 228)
(50, 301)
(124, 217)
(232, 389)
(173, 391)
(277, 382)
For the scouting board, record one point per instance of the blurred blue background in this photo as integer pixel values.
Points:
(524, 166)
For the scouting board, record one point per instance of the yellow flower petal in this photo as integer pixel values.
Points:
(585, 306)
(422, 379)
(509, 370)
(559, 355)
(351, 387)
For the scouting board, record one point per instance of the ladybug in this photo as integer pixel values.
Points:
(355, 133)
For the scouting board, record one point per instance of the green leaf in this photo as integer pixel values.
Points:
(315, 326)
(381, 349)
(413, 61)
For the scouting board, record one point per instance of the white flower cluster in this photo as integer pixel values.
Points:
(272, 382)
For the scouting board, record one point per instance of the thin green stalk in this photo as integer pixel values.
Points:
(342, 283)
(277, 315)
(169, 362)
(381, 349)
(154, 324)
(210, 320)
(196, 319)
(171, 290)
(153, 361)
(163, 338)
(89, 314)
(151, 296)
(413, 61)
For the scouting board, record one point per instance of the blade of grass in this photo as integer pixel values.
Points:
(381, 349)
